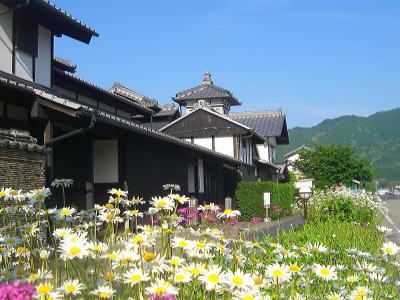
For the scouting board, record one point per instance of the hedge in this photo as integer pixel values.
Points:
(249, 197)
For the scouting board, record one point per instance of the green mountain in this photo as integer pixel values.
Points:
(376, 138)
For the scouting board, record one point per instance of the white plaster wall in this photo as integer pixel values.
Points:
(293, 158)
(205, 142)
(224, 145)
(6, 29)
(43, 61)
(105, 161)
(263, 151)
(23, 65)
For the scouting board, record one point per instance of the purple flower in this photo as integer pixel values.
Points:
(17, 291)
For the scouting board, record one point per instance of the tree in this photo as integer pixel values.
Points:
(330, 165)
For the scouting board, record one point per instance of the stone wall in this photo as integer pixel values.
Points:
(22, 161)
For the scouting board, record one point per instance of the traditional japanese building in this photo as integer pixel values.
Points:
(250, 137)
(99, 138)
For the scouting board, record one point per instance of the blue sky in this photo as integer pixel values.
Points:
(313, 59)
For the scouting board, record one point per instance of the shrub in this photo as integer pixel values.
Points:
(249, 198)
(336, 235)
(345, 206)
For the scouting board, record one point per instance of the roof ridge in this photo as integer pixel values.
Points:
(70, 16)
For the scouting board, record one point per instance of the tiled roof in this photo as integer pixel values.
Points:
(131, 125)
(167, 110)
(297, 150)
(267, 163)
(53, 96)
(15, 138)
(206, 108)
(266, 123)
(207, 90)
(106, 92)
(52, 8)
(119, 89)
(64, 64)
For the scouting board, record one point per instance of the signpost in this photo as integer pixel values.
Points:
(267, 204)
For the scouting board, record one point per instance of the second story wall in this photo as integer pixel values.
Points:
(26, 47)
(6, 40)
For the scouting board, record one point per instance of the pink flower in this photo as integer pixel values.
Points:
(162, 297)
(17, 291)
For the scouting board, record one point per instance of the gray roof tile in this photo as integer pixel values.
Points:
(207, 90)
(266, 123)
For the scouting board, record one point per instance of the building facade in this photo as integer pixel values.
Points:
(99, 138)
(251, 137)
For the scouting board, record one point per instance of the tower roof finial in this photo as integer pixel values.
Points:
(207, 78)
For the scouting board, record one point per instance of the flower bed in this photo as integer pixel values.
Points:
(169, 261)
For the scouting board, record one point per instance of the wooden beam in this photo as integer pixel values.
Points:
(47, 136)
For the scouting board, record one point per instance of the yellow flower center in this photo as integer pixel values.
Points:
(294, 268)
(109, 276)
(213, 278)
(200, 245)
(70, 288)
(361, 293)
(389, 250)
(109, 206)
(103, 294)
(22, 250)
(183, 244)
(195, 271)
(64, 212)
(277, 273)
(227, 211)
(112, 256)
(21, 272)
(75, 250)
(160, 290)
(110, 217)
(258, 280)
(149, 256)
(248, 297)
(96, 248)
(325, 272)
(44, 288)
(138, 239)
(174, 262)
(10, 241)
(180, 277)
(237, 280)
(136, 277)
(161, 204)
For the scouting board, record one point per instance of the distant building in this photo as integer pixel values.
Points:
(250, 137)
(291, 157)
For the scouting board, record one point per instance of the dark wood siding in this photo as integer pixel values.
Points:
(204, 124)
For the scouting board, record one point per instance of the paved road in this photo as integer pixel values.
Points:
(273, 227)
(392, 202)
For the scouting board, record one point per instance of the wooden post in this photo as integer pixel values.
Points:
(89, 195)
(228, 202)
(48, 134)
(193, 203)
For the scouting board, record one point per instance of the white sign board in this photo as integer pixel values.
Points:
(267, 199)
(304, 183)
